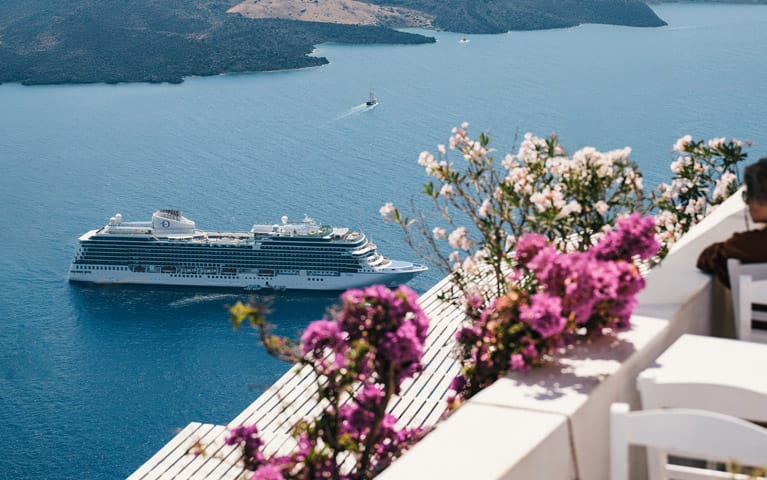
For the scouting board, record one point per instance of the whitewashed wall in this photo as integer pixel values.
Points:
(553, 422)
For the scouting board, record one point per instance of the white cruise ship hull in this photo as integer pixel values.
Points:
(301, 281)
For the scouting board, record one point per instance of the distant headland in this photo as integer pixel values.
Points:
(113, 41)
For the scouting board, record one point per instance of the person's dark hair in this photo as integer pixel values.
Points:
(755, 178)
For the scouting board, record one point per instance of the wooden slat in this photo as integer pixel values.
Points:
(216, 452)
(274, 395)
(176, 464)
(171, 452)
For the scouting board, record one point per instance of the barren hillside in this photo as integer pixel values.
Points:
(350, 12)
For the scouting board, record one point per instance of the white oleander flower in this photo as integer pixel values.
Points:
(469, 265)
(601, 207)
(582, 158)
(509, 162)
(447, 190)
(680, 163)
(437, 170)
(668, 223)
(720, 190)
(439, 233)
(716, 142)
(682, 143)
(632, 177)
(539, 201)
(388, 212)
(619, 155)
(557, 197)
(520, 179)
(668, 228)
(485, 209)
(459, 239)
(425, 159)
(548, 198)
(528, 149)
(569, 209)
(696, 207)
(559, 166)
(699, 167)
(481, 254)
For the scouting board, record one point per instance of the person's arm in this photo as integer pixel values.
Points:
(748, 247)
(714, 260)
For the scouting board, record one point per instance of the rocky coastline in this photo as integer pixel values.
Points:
(111, 41)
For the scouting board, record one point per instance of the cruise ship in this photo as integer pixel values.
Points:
(170, 250)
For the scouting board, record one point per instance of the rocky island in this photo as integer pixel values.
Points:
(111, 41)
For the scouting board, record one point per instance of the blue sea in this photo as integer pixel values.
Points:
(94, 380)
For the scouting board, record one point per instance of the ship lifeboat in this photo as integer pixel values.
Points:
(266, 272)
(228, 271)
(139, 268)
(168, 269)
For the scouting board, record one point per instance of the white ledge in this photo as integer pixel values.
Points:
(514, 428)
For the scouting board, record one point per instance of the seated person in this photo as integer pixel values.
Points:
(750, 246)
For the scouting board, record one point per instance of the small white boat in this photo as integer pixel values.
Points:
(372, 100)
(463, 40)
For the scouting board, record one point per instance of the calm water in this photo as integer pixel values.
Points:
(94, 380)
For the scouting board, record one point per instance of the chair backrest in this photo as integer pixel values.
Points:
(684, 432)
(749, 299)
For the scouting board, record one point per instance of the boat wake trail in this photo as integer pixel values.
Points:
(185, 302)
(356, 110)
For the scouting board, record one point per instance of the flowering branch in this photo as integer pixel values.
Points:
(575, 276)
(360, 358)
(567, 199)
(704, 175)
(567, 296)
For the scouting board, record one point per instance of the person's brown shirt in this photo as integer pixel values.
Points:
(748, 247)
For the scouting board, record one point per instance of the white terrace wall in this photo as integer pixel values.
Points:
(553, 422)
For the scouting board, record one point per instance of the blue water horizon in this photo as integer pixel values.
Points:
(95, 379)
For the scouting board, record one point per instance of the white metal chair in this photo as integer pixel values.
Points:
(748, 283)
(706, 373)
(684, 432)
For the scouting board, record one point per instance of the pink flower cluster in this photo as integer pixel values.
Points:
(556, 299)
(358, 423)
(360, 357)
(633, 237)
(391, 325)
(247, 436)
